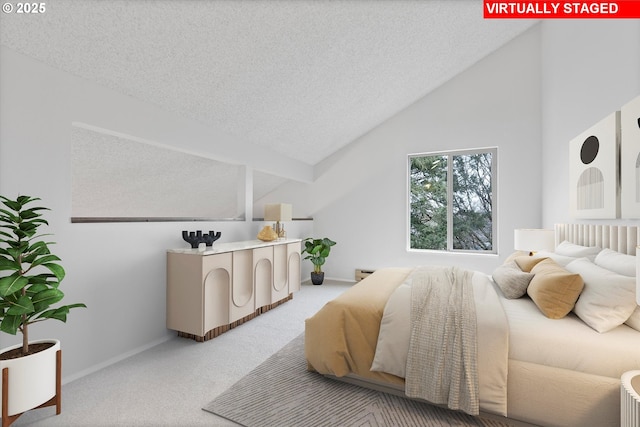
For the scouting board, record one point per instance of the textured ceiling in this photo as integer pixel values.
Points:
(303, 78)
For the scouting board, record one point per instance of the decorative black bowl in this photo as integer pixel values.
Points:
(196, 237)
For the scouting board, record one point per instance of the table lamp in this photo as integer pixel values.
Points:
(278, 212)
(533, 239)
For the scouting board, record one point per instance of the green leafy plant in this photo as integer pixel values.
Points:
(318, 250)
(32, 273)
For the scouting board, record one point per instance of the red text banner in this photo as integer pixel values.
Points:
(625, 9)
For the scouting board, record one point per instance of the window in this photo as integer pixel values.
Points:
(451, 200)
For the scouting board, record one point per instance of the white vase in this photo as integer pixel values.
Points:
(32, 378)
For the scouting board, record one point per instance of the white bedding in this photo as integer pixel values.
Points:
(569, 343)
(393, 341)
(566, 343)
(561, 372)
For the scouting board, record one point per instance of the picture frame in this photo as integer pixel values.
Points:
(630, 159)
(594, 171)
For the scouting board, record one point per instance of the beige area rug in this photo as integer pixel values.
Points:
(282, 393)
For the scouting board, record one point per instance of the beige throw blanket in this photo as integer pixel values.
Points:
(442, 361)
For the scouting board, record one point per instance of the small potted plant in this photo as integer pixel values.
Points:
(318, 250)
(30, 277)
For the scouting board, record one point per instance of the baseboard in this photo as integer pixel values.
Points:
(116, 359)
(333, 279)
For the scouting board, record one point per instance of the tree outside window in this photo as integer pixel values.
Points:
(451, 200)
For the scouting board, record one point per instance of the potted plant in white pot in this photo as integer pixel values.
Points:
(318, 250)
(30, 277)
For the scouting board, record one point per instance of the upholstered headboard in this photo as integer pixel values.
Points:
(620, 238)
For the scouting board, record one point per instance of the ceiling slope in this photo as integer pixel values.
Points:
(303, 78)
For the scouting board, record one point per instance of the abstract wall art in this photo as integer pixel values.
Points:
(630, 159)
(594, 170)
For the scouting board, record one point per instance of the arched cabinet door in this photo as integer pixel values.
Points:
(217, 287)
(263, 276)
(242, 295)
(280, 287)
(293, 267)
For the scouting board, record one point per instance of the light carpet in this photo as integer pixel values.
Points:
(282, 393)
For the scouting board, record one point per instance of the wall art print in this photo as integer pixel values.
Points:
(593, 171)
(630, 159)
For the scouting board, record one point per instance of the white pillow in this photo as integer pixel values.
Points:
(571, 249)
(559, 259)
(395, 332)
(622, 264)
(615, 261)
(608, 298)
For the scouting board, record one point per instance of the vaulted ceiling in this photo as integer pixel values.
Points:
(302, 77)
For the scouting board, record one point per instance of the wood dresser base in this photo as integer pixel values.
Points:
(224, 328)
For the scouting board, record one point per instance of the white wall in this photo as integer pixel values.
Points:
(529, 99)
(360, 196)
(118, 270)
(590, 69)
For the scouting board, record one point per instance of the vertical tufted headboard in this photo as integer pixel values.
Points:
(621, 238)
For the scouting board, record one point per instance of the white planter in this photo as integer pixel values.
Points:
(32, 379)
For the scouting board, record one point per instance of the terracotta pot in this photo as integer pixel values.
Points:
(32, 378)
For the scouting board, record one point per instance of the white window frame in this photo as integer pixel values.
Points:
(494, 199)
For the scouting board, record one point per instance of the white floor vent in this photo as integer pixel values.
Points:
(630, 399)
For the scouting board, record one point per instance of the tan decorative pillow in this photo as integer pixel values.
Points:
(514, 256)
(634, 319)
(526, 263)
(553, 289)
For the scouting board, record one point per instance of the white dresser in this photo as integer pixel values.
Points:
(212, 290)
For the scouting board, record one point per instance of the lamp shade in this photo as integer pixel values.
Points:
(533, 239)
(278, 212)
(638, 274)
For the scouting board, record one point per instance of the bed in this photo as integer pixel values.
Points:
(541, 358)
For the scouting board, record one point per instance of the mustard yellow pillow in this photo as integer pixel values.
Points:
(553, 289)
(526, 263)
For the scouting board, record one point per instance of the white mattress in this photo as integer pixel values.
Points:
(569, 343)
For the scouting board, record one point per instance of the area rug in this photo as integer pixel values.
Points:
(282, 393)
